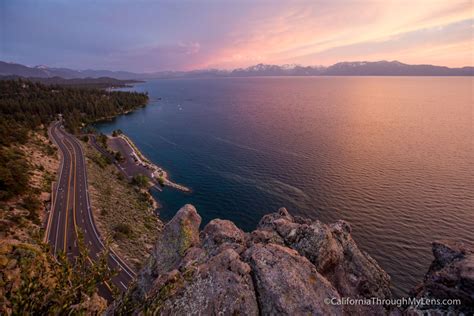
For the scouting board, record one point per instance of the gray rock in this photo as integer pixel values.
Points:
(333, 252)
(220, 233)
(446, 251)
(288, 284)
(222, 285)
(451, 276)
(177, 236)
(287, 266)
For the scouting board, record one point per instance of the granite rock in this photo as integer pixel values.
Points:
(287, 266)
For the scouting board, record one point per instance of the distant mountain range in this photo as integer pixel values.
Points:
(12, 69)
(378, 68)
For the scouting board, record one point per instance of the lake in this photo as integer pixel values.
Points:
(393, 156)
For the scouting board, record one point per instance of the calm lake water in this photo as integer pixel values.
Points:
(391, 155)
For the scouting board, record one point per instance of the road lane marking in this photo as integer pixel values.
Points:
(57, 233)
(54, 201)
(121, 264)
(74, 196)
(67, 203)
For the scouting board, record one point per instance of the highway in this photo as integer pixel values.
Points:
(71, 211)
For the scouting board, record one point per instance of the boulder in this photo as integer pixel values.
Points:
(177, 236)
(288, 284)
(222, 233)
(333, 252)
(220, 286)
(287, 266)
(450, 276)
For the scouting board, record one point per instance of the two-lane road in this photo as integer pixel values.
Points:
(71, 211)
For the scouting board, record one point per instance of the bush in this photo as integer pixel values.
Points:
(102, 139)
(101, 160)
(122, 230)
(118, 156)
(46, 285)
(161, 181)
(140, 180)
(31, 203)
(13, 173)
(50, 150)
(117, 132)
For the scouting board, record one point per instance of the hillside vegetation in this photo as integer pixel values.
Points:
(26, 106)
(32, 104)
(31, 280)
(122, 210)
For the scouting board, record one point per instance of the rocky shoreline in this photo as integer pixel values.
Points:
(157, 172)
(287, 266)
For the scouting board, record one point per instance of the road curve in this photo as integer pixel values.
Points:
(71, 211)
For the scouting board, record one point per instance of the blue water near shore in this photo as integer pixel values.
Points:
(393, 156)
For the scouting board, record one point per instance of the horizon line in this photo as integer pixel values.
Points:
(232, 69)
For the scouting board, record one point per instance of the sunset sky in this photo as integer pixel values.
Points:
(146, 36)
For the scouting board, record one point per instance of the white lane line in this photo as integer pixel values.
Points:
(57, 231)
(48, 229)
(123, 285)
(122, 264)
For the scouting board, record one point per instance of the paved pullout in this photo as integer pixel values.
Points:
(71, 211)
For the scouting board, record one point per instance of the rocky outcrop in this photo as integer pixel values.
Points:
(287, 266)
(286, 283)
(180, 234)
(333, 252)
(450, 276)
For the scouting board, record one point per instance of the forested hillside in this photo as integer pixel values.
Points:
(31, 280)
(25, 106)
(31, 104)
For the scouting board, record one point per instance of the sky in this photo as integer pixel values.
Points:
(148, 36)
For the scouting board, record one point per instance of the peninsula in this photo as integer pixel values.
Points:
(134, 162)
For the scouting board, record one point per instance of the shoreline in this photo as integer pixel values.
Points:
(159, 176)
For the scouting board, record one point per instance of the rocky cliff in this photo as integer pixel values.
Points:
(287, 266)
(450, 276)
